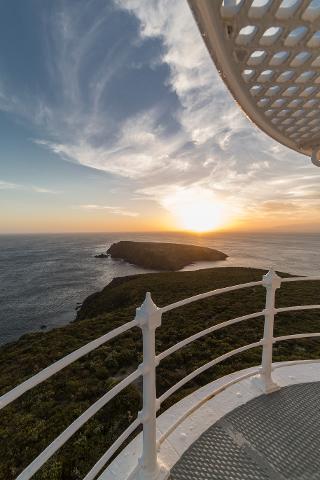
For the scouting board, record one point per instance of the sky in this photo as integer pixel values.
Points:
(114, 118)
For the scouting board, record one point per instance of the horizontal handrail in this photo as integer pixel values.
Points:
(44, 456)
(198, 335)
(296, 308)
(205, 367)
(108, 454)
(275, 366)
(201, 296)
(297, 335)
(62, 363)
(299, 279)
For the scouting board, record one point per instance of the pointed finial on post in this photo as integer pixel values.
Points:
(271, 279)
(148, 304)
(148, 313)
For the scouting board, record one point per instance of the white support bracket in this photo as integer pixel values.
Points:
(314, 156)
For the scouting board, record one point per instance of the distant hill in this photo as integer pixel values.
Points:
(163, 256)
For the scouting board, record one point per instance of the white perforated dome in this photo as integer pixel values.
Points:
(268, 54)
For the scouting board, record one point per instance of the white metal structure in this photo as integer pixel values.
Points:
(180, 427)
(148, 318)
(267, 52)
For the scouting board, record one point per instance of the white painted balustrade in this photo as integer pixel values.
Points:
(148, 318)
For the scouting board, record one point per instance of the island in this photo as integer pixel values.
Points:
(162, 256)
(32, 421)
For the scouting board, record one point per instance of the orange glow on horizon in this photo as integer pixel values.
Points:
(201, 217)
(184, 210)
(197, 210)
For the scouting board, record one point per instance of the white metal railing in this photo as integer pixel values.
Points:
(148, 318)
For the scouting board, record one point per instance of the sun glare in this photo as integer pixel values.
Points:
(196, 209)
(201, 217)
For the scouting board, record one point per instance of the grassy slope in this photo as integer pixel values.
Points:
(163, 256)
(30, 423)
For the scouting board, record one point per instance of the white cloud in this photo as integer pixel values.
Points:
(230, 157)
(8, 185)
(140, 149)
(111, 209)
(207, 109)
(44, 190)
(15, 186)
(214, 147)
(142, 145)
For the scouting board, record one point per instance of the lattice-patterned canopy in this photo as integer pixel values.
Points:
(268, 54)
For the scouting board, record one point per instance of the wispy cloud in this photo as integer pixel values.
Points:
(113, 210)
(8, 185)
(229, 155)
(44, 190)
(31, 188)
(191, 137)
(137, 152)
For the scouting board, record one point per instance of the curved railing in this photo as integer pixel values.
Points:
(148, 318)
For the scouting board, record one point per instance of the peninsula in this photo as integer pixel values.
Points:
(162, 256)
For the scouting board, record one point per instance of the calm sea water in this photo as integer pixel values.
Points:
(44, 277)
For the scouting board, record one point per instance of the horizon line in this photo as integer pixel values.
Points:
(165, 232)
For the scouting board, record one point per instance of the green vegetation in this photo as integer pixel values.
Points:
(162, 256)
(30, 423)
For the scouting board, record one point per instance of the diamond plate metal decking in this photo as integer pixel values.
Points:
(272, 437)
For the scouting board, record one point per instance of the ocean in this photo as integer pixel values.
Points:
(43, 278)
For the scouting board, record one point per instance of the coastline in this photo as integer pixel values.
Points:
(44, 277)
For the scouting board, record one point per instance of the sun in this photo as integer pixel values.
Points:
(197, 209)
(201, 217)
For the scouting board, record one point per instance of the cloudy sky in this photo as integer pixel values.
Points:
(113, 118)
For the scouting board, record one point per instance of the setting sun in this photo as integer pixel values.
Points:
(201, 217)
(196, 209)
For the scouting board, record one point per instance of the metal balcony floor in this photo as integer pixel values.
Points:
(272, 437)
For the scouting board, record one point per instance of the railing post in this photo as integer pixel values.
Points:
(271, 281)
(149, 319)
